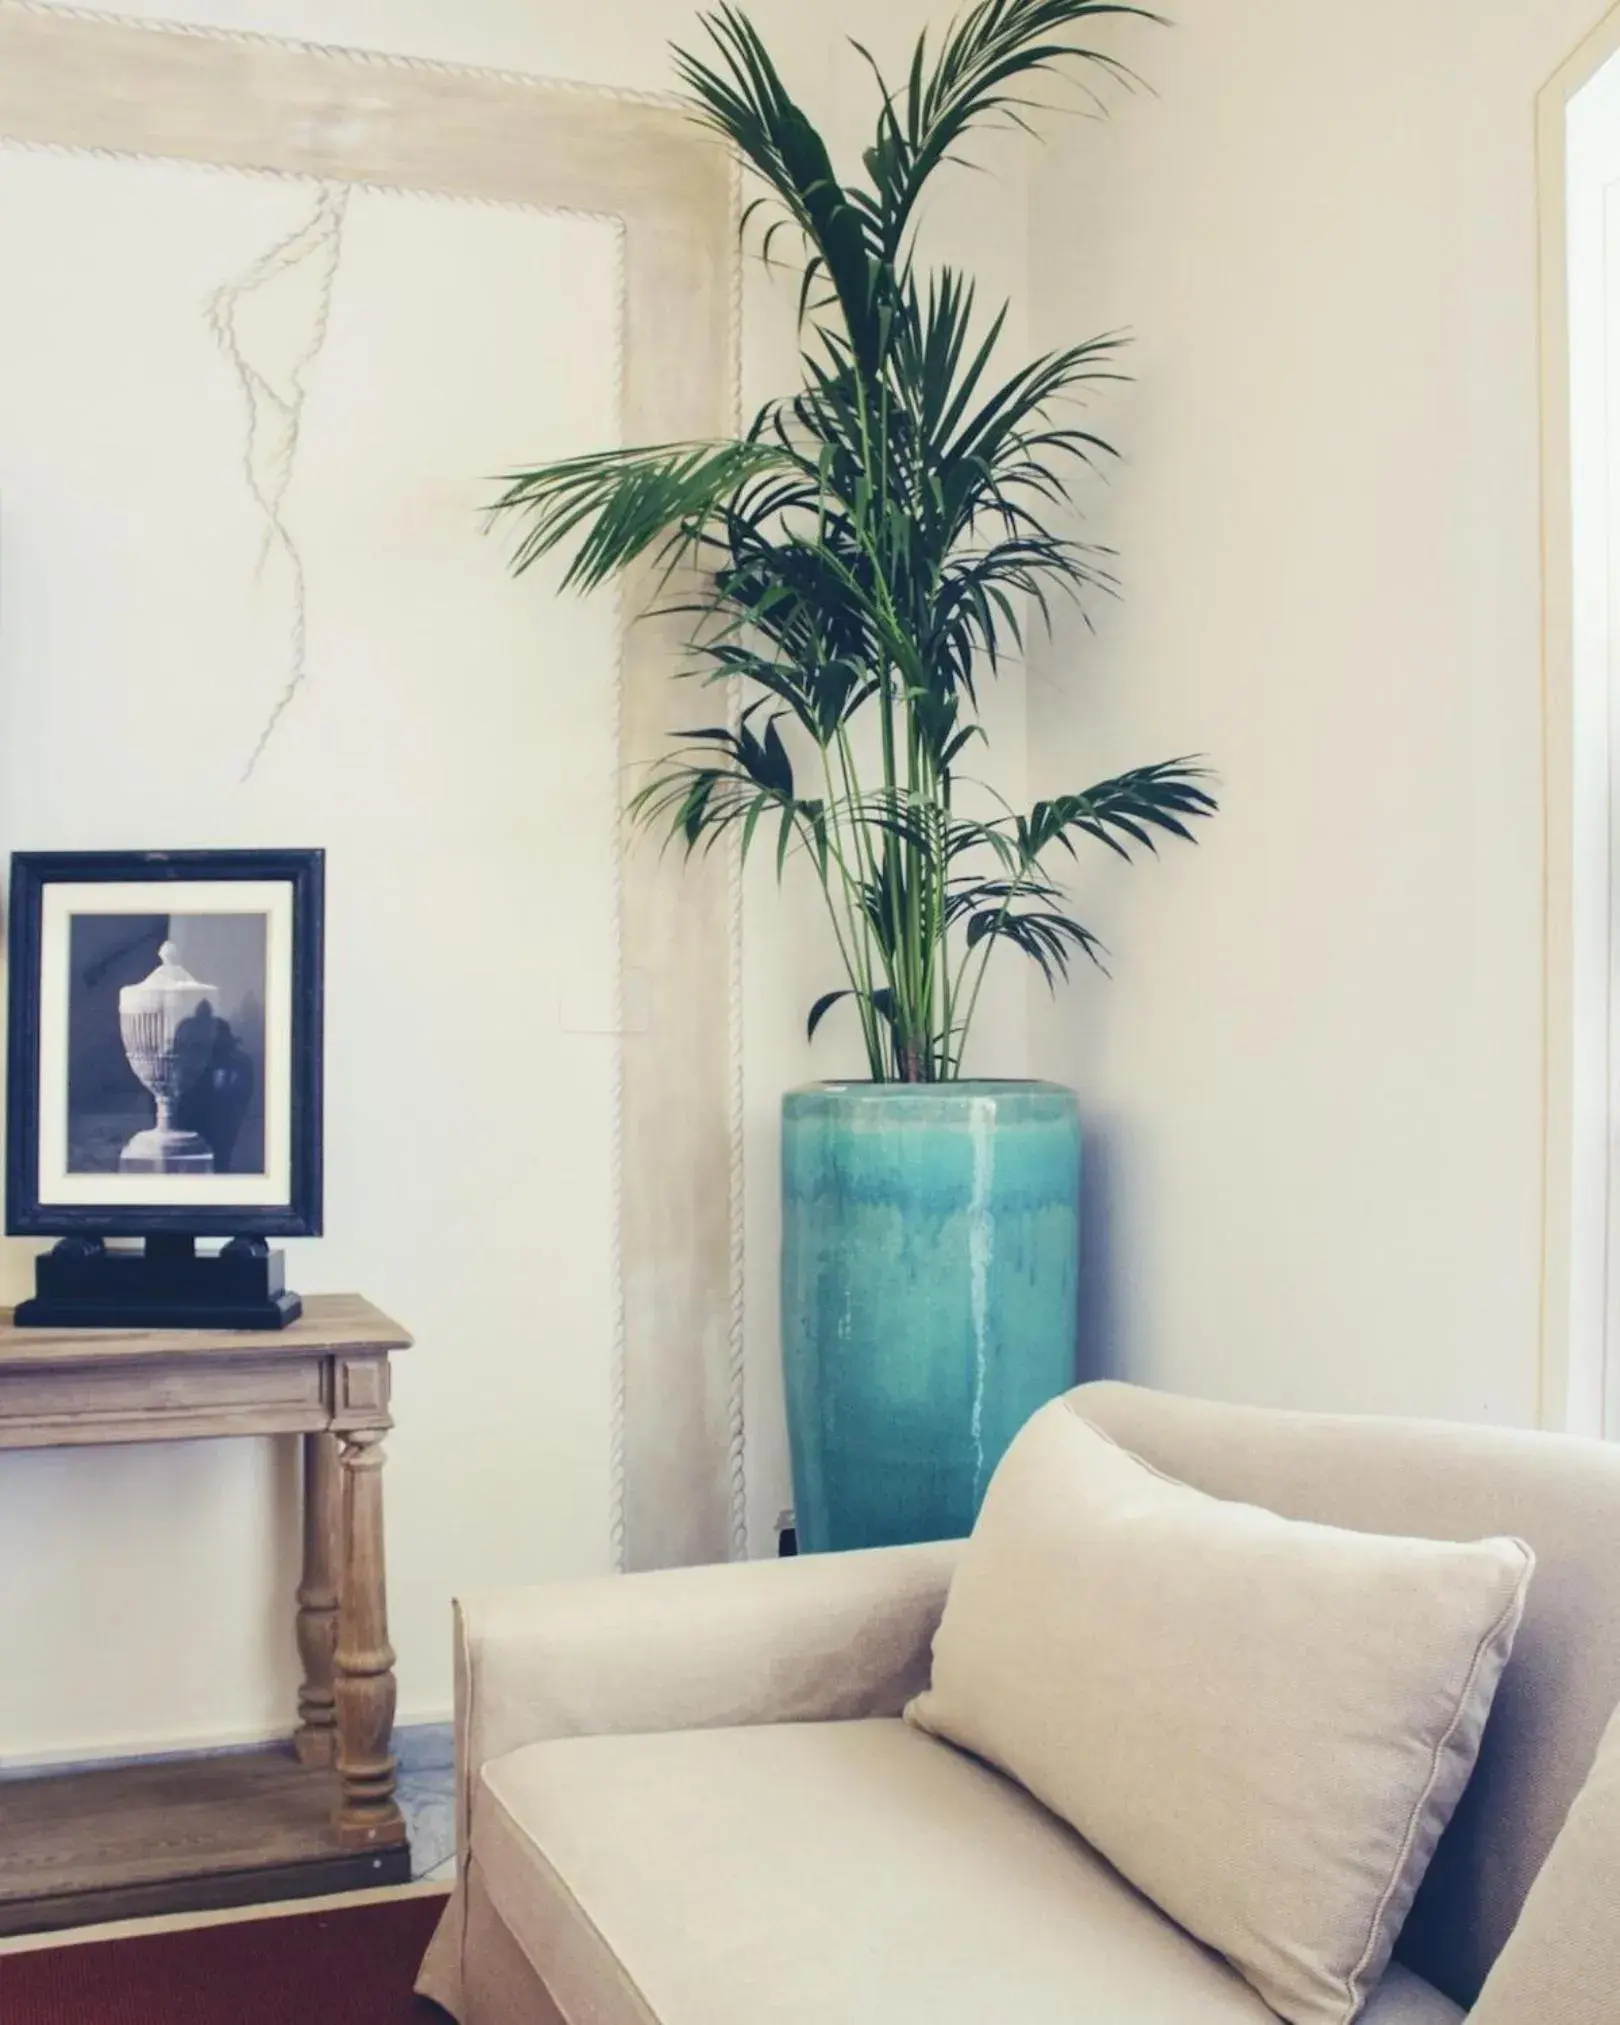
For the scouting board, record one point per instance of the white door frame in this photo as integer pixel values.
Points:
(1578, 135)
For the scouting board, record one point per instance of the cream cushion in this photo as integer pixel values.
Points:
(1562, 1960)
(846, 1873)
(1264, 1724)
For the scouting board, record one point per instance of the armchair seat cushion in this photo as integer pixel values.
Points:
(857, 1871)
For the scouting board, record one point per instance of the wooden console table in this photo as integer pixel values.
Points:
(239, 1827)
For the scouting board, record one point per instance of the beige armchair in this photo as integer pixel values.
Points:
(686, 1798)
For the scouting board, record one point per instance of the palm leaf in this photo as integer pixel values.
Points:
(629, 502)
(977, 78)
(742, 97)
(1128, 809)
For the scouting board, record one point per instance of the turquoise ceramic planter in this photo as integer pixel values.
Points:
(929, 1267)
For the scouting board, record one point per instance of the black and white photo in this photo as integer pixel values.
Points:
(165, 1042)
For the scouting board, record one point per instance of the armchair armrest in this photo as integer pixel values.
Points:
(819, 1638)
(816, 1638)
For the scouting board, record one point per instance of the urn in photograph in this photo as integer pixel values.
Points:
(167, 1024)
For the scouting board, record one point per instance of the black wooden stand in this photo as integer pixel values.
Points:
(85, 1283)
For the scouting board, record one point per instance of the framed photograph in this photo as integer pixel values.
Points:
(164, 1058)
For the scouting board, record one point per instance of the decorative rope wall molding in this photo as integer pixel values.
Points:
(93, 82)
(382, 59)
(737, 1343)
(618, 1395)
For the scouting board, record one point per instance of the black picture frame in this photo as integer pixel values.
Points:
(32, 872)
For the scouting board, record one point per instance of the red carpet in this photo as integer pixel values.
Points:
(352, 1966)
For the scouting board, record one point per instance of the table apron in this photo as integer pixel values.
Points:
(91, 1405)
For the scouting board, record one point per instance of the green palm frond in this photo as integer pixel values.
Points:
(981, 74)
(628, 502)
(742, 97)
(1122, 811)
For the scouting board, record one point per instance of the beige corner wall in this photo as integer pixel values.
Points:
(1315, 1083)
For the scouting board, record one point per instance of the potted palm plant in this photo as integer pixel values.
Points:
(854, 568)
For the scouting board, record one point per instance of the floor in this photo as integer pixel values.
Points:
(427, 1799)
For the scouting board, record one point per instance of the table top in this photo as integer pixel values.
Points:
(330, 1324)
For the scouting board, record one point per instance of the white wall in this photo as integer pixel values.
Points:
(1314, 1084)
(185, 1567)
(468, 1121)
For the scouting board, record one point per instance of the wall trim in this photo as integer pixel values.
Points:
(1558, 1181)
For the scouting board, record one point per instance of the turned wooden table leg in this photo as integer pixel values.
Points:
(367, 1814)
(315, 1739)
